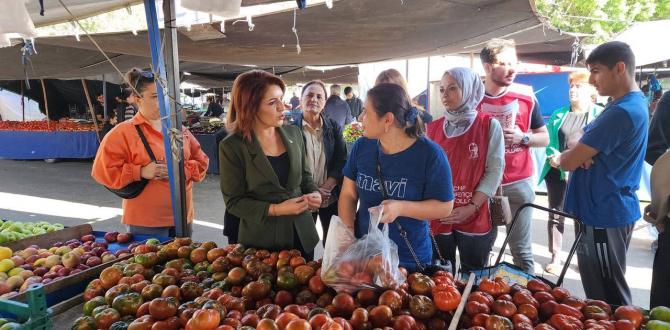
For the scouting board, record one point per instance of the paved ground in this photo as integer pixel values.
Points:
(64, 192)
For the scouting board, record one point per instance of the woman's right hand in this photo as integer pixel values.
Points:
(293, 206)
(153, 170)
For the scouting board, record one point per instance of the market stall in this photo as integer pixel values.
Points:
(209, 132)
(47, 140)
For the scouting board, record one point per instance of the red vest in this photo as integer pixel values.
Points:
(518, 162)
(467, 157)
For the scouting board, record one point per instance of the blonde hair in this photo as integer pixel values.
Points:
(392, 76)
(578, 77)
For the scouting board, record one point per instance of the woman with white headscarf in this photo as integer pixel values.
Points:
(474, 145)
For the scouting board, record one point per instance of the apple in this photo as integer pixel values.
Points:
(26, 274)
(63, 250)
(4, 288)
(18, 260)
(122, 251)
(83, 267)
(30, 260)
(65, 271)
(40, 271)
(73, 245)
(108, 257)
(52, 261)
(88, 238)
(100, 244)
(58, 244)
(56, 268)
(27, 252)
(46, 280)
(93, 261)
(98, 251)
(71, 259)
(124, 237)
(44, 254)
(50, 275)
(111, 237)
(87, 247)
(27, 267)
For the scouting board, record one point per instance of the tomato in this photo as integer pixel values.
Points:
(568, 310)
(331, 325)
(448, 299)
(128, 303)
(391, 299)
(287, 281)
(162, 308)
(422, 308)
(284, 319)
(603, 305)
(481, 297)
(366, 297)
(298, 325)
(560, 293)
(624, 324)
(479, 320)
(256, 290)
(578, 304)
(529, 311)
(250, 320)
(270, 311)
(544, 326)
(116, 291)
(595, 312)
(547, 308)
(404, 322)
(190, 291)
(630, 313)
(380, 316)
(473, 308)
(422, 285)
(523, 326)
(345, 305)
(359, 318)
(106, 317)
(525, 297)
(267, 324)
(542, 297)
(521, 318)
(536, 285)
(171, 291)
(496, 322)
(316, 285)
(204, 319)
(495, 287)
(476, 328)
(505, 297)
(318, 320)
(343, 323)
(504, 308)
(565, 322)
(299, 310)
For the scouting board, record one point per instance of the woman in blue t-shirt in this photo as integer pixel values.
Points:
(415, 171)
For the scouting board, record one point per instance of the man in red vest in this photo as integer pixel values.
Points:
(517, 110)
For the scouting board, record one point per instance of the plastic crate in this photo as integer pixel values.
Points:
(33, 314)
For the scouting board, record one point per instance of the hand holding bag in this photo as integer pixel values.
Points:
(501, 213)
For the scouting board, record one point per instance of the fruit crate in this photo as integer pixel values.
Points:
(34, 313)
(72, 285)
(514, 274)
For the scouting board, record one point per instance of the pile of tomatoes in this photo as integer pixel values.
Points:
(44, 126)
(199, 286)
(497, 305)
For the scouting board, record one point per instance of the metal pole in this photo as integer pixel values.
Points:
(175, 167)
(104, 98)
(23, 104)
(46, 103)
(90, 107)
(173, 78)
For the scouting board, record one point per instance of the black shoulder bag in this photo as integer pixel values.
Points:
(438, 264)
(134, 189)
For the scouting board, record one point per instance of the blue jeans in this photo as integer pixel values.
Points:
(520, 193)
(156, 231)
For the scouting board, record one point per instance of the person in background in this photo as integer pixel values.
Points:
(658, 214)
(474, 145)
(123, 159)
(99, 108)
(125, 110)
(265, 179)
(606, 166)
(355, 104)
(659, 130)
(565, 123)
(214, 109)
(295, 101)
(415, 171)
(108, 124)
(527, 130)
(326, 150)
(392, 76)
(336, 108)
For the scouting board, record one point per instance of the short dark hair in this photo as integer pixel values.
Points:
(387, 97)
(494, 47)
(348, 90)
(611, 53)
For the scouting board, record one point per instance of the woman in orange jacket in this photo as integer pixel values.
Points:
(123, 160)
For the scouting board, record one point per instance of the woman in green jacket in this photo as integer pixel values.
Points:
(264, 178)
(565, 128)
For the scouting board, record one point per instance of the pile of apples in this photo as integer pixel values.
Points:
(200, 286)
(20, 269)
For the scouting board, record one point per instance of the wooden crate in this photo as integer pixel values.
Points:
(48, 239)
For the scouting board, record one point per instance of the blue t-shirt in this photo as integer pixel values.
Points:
(420, 172)
(604, 195)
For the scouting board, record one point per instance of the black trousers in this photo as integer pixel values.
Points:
(556, 195)
(660, 278)
(325, 214)
(231, 227)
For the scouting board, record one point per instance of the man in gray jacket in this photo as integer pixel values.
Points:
(336, 108)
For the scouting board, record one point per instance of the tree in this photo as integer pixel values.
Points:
(601, 18)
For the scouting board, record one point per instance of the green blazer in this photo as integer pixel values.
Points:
(249, 185)
(553, 126)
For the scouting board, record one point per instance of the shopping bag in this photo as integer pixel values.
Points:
(340, 237)
(369, 263)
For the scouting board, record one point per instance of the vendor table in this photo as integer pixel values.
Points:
(46, 145)
(209, 143)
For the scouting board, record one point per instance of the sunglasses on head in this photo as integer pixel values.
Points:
(144, 74)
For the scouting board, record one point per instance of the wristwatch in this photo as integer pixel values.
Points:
(525, 139)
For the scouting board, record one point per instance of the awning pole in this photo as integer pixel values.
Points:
(90, 107)
(23, 105)
(169, 115)
(46, 104)
(104, 97)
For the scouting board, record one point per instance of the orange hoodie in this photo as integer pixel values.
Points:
(121, 156)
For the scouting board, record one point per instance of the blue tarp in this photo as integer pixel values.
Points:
(46, 145)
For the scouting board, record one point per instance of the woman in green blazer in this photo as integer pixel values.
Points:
(565, 128)
(264, 178)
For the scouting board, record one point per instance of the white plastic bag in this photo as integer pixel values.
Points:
(371, 262)
(340, 237)
(227, 8)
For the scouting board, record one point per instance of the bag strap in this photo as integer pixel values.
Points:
(401, 230)
(145, 143)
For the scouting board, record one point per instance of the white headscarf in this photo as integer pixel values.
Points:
(458, 120)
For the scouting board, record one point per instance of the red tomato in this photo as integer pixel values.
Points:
(204, 319)
(535, 285)
(568, 310)
(447, 300)
(630, 313)
(565, 322)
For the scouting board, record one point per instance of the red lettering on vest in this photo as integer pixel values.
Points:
(467, 157)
